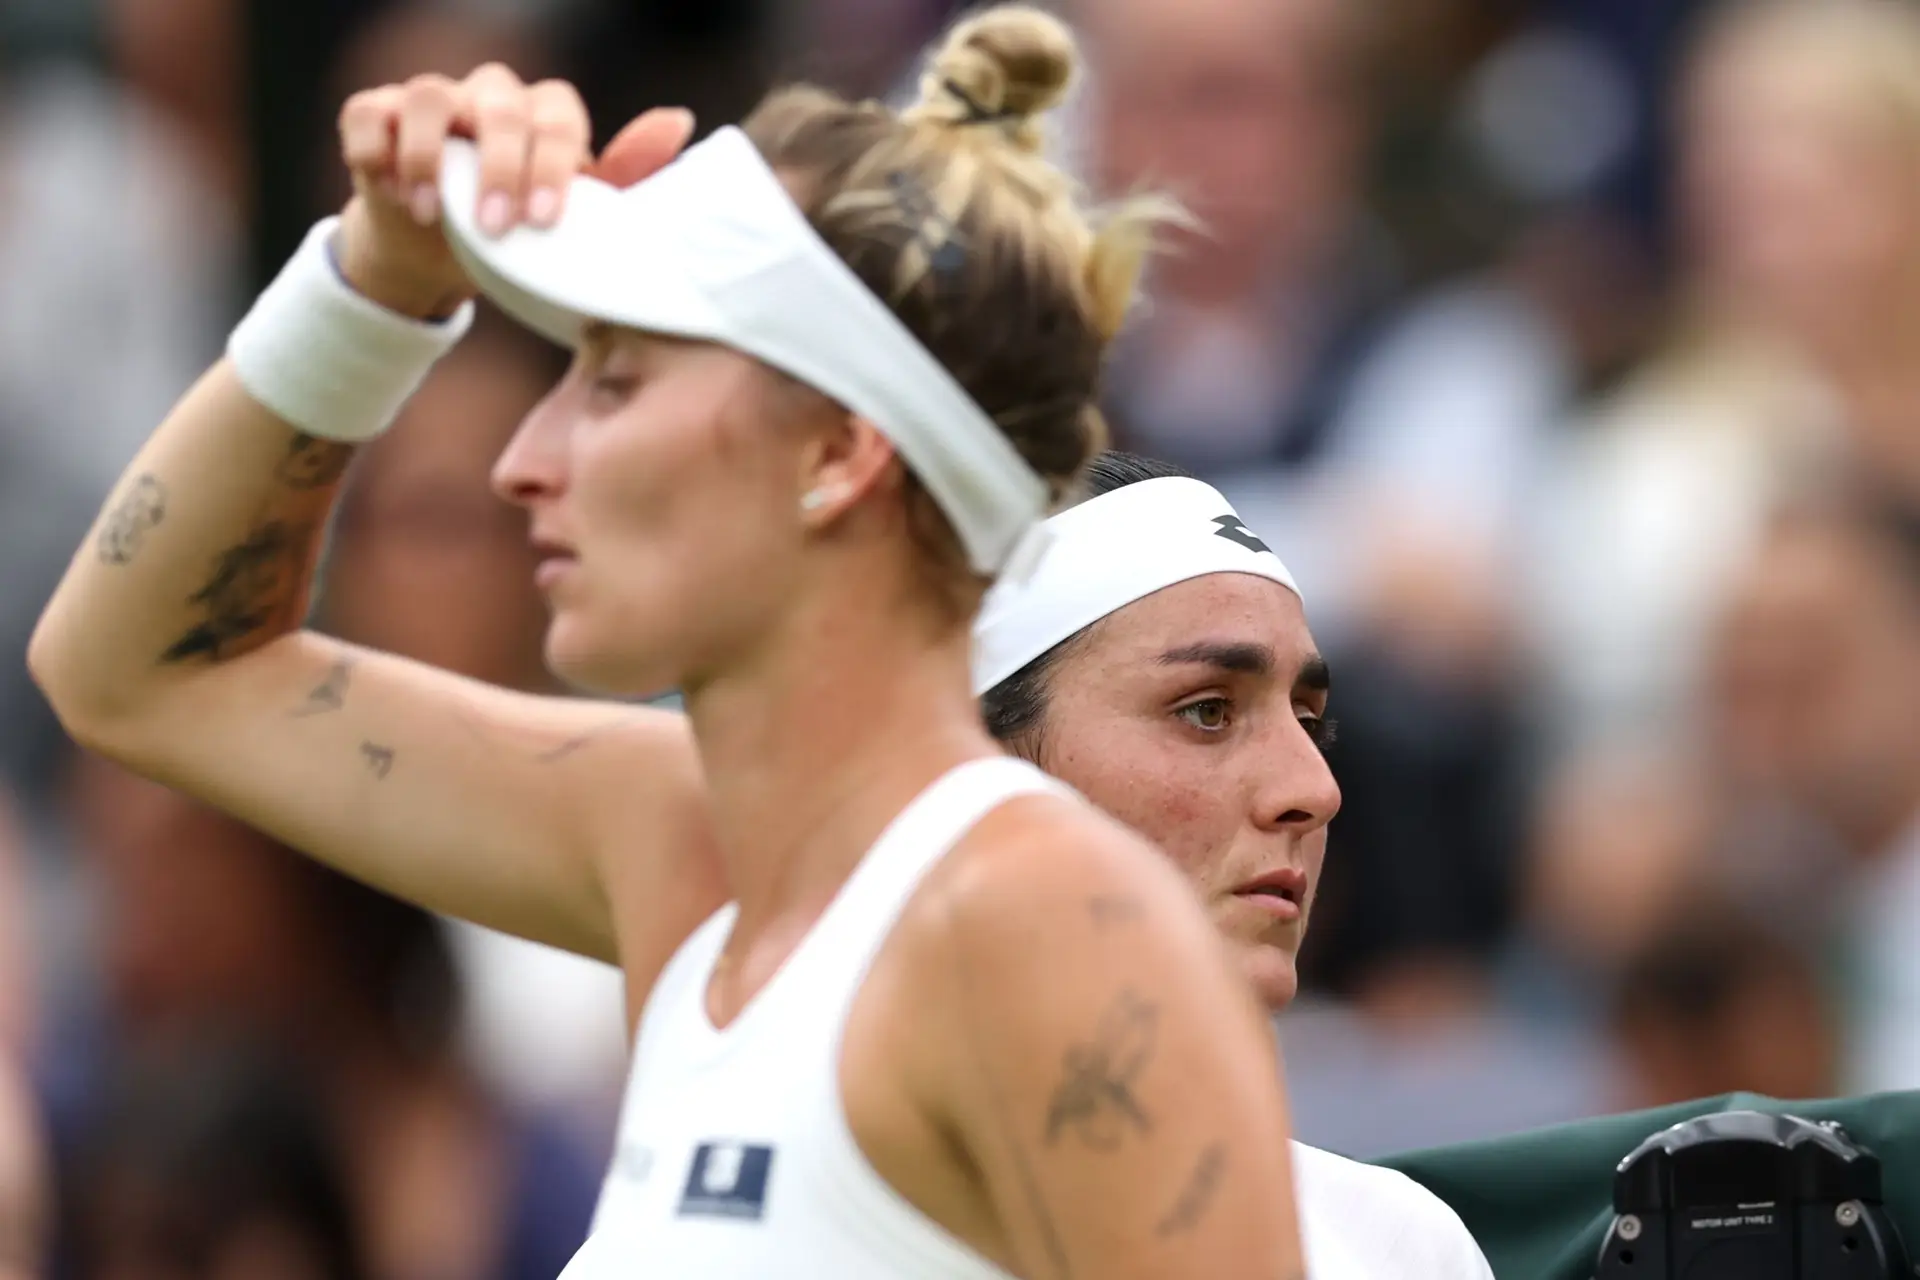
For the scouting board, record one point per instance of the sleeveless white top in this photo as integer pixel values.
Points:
(734, 1158)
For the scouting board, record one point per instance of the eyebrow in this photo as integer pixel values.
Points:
(1247, 658)
(1241, 657)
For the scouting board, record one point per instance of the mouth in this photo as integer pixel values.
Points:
(1282, 892)
(555, 558)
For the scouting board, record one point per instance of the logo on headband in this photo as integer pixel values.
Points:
(1233, 530)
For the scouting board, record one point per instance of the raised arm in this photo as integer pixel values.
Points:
(1113, 1078)
(174, 644)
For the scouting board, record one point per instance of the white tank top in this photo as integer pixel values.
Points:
(734, 1158)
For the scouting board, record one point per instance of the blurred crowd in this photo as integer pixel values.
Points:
(1568, 350)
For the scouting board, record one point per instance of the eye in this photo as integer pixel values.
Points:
(611, 390)
(1209, 715)
(1322, 730)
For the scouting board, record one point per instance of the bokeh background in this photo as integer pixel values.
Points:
(1569, 350)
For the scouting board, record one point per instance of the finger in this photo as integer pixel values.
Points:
(426, 114)
(367, 122)
(500, 105)
(560, 147)
(645, 146)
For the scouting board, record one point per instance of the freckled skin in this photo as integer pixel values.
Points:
(1248, 793)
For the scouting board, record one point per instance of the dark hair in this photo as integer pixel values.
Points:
(1016, 708)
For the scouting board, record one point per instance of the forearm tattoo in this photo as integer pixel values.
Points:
(137, 514)
(331, 693)
(313, 463)
(379, 759)
(252, 586)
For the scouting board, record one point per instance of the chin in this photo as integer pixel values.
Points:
(583, 661)
(1271, 971)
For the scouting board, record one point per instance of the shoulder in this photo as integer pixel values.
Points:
(1050, 858)
(1400, 1223)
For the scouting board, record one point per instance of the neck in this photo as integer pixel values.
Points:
(812, 749)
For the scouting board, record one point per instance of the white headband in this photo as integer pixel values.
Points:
(713, 248)
(1106, 553)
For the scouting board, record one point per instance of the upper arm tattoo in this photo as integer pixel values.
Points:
(126, 527)
(253, 583)
(1095, 1098)
(313, 463)
(1197, 1196)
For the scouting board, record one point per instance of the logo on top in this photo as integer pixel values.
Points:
(1233, 530)
(727, 1180)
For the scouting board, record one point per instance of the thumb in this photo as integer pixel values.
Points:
(645, 146)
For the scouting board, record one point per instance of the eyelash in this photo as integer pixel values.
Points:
(1323, 731)
(1222, 703)
(612, 388)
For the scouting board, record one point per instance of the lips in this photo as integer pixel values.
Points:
(555, 558)
(1288, 884)
(1280, 895)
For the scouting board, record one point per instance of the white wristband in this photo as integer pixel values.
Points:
(331, 362)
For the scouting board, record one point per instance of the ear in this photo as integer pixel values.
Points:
(845, 461)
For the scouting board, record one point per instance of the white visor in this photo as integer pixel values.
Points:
(1106, 553)
(713, 248)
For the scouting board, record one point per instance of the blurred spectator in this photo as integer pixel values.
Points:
(1794, 349)
(19, 941)
(183, 57)
(207, 927)
(25, 1208)
(1383, 447)
(859, 47)
(211, 1163)
(1818, 726)
(1803, 119)
(1717, 1002)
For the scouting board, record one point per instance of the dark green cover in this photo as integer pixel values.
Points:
(1540, 1203)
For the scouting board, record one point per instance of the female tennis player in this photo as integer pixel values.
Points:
(831, 370)
(1159, 660)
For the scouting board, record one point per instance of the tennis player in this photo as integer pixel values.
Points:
(1160, 661)
(905, 1005)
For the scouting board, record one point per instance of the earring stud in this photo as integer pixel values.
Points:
(819, 498)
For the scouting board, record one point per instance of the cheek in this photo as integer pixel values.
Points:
(1164, 797)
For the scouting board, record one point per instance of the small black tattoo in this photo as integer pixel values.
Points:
(252, 584)
(1114, 908)
(331, 693)
(1095, 1098)
(379, 759)
(132, 518)
(1197, 1196)
(579, 740)
(313, 463)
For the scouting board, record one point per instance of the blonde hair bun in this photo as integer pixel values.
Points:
(1004, 66)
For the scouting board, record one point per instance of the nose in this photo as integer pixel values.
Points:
(534, 463)
(1297, 791)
